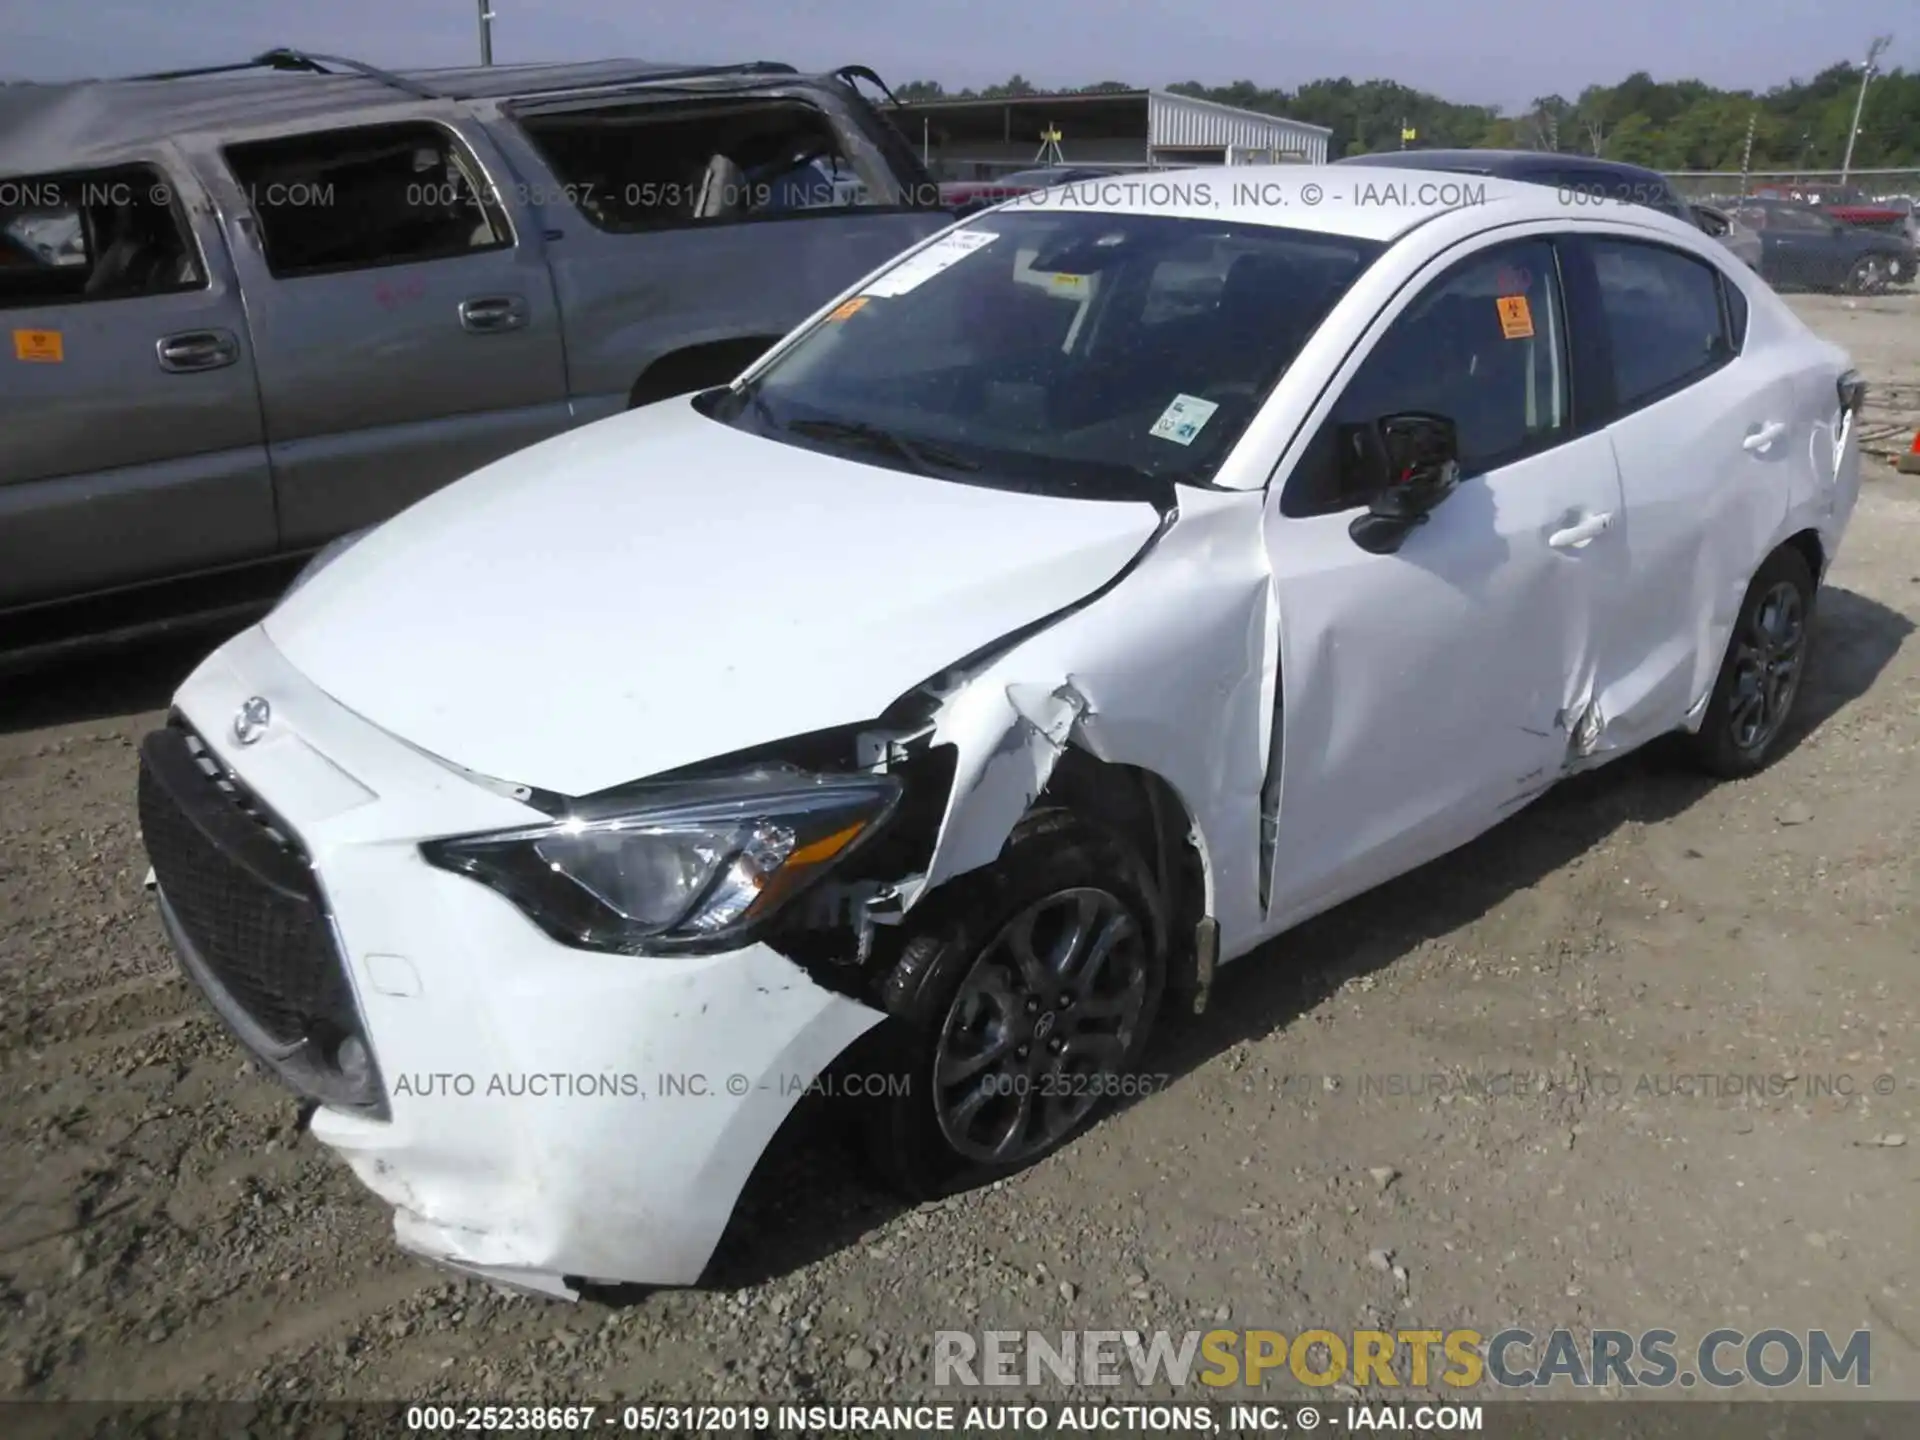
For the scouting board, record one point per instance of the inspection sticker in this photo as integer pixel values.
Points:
(943, 254)
(1181, 421)
(1062, 283)
(1516, 317)
(39, 347)
(847, 308)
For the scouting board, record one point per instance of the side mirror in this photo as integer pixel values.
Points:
(1415, 457)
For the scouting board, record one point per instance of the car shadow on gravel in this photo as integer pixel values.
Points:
(124, 681)
(808, 1198)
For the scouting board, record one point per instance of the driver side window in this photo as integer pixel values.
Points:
(1484, 345)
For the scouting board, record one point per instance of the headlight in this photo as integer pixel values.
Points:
(676, 868)
(324, 557)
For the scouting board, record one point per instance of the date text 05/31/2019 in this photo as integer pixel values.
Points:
(937, 1418)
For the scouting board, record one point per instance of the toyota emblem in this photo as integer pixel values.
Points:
(252, 720)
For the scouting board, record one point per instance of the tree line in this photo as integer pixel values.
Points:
(1663, 124)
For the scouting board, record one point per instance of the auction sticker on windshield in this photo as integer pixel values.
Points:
(1181, 421)
(942, 254)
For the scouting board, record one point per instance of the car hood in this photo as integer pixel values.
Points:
(660, 588)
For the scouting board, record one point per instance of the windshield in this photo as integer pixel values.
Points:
(1105, 356)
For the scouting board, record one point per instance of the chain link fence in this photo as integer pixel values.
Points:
(1818, 186)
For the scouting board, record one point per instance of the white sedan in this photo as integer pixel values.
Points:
(1104, 587)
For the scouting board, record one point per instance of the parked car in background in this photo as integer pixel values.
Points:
(1085, 600)
(256, 307)
(969, 197)
(1850, 206)
(1730, 231)
(1805, 248)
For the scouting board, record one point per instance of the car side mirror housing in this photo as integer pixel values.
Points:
(1416, 459)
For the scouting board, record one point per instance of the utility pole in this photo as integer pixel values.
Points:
(1746, 155)
(1874, 51)
(486, 33)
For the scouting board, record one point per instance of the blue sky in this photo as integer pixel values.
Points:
(1500, 52)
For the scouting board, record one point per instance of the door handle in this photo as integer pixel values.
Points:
(196, 350)
(488, 314)
(1581, 533)
(1765, 435)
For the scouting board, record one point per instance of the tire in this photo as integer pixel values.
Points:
(956, 997)
(1867, 277)
(1772, 637)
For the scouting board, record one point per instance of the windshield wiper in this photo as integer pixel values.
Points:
(927, 459)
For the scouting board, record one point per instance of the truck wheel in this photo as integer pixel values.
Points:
(1019, 1008)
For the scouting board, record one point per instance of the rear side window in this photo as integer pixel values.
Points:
(93, 235)
(1665, 321)
(367, 197)
(655, 166)
(1736, 313)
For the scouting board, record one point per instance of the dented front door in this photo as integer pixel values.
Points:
(1426, 694)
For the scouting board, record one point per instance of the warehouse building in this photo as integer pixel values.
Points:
(1118, 129)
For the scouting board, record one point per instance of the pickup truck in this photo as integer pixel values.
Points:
(252, 308)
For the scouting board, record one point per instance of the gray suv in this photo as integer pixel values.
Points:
(255, 307)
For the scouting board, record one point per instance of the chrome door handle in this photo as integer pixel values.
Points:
(1582, 533)
(1765, 435)
(196, 350)
(488, 314)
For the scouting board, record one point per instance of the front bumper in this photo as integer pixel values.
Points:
(538, 1114)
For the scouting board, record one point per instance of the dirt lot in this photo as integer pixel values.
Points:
(1624, 947)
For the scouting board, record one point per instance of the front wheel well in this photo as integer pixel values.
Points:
(1147, 810)
(1807, 545)
(697, 367)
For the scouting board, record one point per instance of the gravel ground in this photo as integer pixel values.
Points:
(165, 1230)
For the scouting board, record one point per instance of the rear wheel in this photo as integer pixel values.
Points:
(1761, 676)
(1019, 1009)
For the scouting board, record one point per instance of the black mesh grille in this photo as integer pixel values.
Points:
(245, 899)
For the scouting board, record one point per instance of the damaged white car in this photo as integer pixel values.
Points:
(1076, 604)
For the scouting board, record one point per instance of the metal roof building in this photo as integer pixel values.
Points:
(977, 139)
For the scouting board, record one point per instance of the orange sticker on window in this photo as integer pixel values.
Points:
(40, 347)
(848, 307)
(1516, 319)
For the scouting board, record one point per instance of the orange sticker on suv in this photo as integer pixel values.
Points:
(1516, 317)
(40, 347)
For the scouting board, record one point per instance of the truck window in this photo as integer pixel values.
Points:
(93, 235)
(644, 167)
(367, 197)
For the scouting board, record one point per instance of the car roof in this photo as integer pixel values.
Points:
(52, 127)
(1513, 163)
(1326, 199)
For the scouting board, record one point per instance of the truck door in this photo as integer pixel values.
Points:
(131, 446)
(405, 333)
